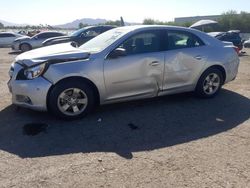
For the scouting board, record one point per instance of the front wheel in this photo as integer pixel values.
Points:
(210, 83)
(71, 100)
(25, 47)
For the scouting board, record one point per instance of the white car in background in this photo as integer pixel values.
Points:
(247, 43)
(7, 38)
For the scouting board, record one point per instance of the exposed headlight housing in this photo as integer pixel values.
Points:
(34, 72)
(11, 71)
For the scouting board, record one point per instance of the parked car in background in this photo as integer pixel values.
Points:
(122, 64)
(7, 38)
(230, 36)
(247, 43)
(27, 43)
(80, 36)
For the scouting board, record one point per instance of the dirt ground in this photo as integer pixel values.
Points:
(174, 141)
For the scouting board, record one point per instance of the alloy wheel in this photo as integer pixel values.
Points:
(211, 84)
(72, 102)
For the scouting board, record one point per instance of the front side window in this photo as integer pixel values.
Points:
(182, 39)
(146, 42)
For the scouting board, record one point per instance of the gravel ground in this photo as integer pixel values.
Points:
(173, 141)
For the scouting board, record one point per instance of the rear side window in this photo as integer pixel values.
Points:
(182, 39)
(146, 42)
(48, 35)
(57, 34)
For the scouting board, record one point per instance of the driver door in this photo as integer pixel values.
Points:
(139, 73)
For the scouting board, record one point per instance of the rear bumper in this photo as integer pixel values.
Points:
(232, 70)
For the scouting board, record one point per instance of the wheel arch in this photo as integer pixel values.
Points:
(220, 68)
(23, 44)
(74, 79)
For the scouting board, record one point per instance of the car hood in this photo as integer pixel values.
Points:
(56, 53)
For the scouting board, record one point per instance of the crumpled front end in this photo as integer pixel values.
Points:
(28, 93)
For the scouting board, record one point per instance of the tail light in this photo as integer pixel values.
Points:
(237, 50)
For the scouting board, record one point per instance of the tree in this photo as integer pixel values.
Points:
(115, 23)
(149, 21)
(81, 25)
(231, 20)
(1, 26)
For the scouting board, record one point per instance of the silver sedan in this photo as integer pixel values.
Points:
(26, 43)
(123, 64)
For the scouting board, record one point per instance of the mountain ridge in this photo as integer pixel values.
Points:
(70, 25)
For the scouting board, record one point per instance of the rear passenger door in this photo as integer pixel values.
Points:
(184, 59)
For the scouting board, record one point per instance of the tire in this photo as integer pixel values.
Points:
(71, 99)
(25, 47)
(210, 83)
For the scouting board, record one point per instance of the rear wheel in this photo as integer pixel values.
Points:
(25, 47)
(210, 83)
(71, 100)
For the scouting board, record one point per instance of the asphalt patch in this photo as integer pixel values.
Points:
(33, 129)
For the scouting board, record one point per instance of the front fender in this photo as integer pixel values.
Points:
(84, 69)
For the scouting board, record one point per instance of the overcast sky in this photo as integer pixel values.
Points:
(62, 11)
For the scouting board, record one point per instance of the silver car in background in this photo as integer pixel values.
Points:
(122, 64)
(27, 43)
(247, 43)
(7, 38)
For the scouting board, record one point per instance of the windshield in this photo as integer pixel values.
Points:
(78, 32)
(104, 40)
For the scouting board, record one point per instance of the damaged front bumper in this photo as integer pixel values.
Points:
(30, 94)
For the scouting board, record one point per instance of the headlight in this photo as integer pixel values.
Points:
(11, 71)
(34, 72)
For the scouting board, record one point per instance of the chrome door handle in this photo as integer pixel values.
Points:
(154, 63)
(198, 57)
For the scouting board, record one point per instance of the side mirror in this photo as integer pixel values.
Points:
(118, 52)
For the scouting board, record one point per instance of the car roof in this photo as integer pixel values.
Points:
(207, 39)
(149, 27)
(49, 32)
(96, 26)
(215, 34)
(7, 32)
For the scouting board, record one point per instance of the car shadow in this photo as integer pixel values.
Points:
(124, 128)
(14, 52)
